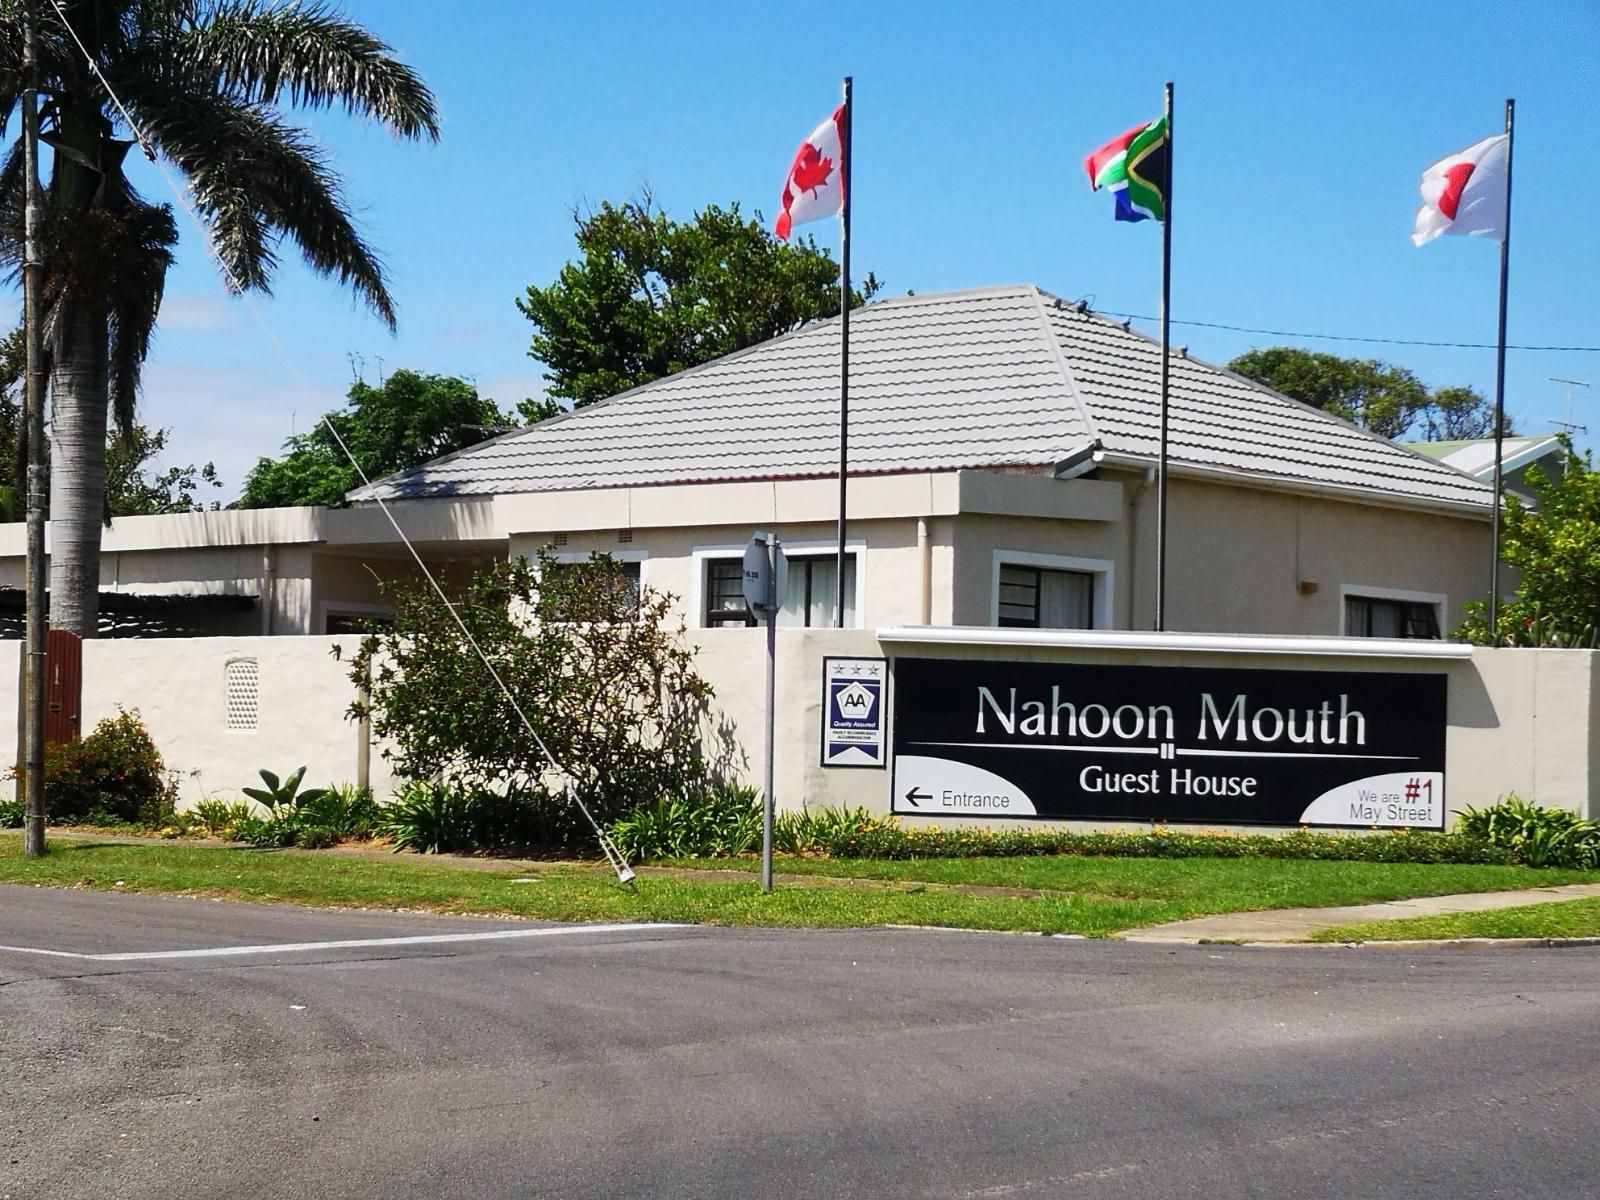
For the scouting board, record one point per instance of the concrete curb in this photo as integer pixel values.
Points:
(1567, 943)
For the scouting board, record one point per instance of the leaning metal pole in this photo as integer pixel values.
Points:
(1500, 389)
(33, 393)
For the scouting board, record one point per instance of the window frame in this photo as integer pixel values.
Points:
(699, 597)
(569, 557)
(327, 609)
(1102, 593)
(1402, 596)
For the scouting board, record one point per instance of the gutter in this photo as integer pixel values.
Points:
(1299, 487)
(1215, 643)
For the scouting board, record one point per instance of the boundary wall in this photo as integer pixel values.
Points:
(1522, 721)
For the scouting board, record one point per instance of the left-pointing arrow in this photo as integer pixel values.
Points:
(914, 795)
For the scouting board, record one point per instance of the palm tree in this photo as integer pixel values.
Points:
(204, 82)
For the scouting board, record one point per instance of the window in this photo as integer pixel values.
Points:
(810, 597)
(1039, 598)
(356, 622)
(725, 593)
(628, 568)
(1371, 616)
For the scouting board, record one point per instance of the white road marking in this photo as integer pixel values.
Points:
(427, 939)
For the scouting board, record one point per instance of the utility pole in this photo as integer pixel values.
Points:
(33, 400)
(1566, 421)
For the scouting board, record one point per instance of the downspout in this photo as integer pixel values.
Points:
(268, 589)
(925, 550)
(1145, 481)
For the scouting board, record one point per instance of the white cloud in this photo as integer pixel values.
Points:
(197, 313)
(227, 416)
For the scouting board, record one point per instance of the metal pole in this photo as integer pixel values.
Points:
(848, 180)
(767, 805)
(1500, 389)
(1166, 371)
(33, 400)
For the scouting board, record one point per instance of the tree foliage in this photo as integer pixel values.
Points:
(1388, 400)
(203, 84)
(651, 296)
(603, 673)
(1554, 544)
(135, 487)
(403, 422)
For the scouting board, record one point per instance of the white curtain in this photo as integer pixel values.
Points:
(1066, 600)
(819, 574)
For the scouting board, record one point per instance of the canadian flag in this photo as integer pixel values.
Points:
(816, 182)
(1466, 193)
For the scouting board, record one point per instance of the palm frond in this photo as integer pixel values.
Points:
(148, 233)
(311, 56)
(12, 202)
(255, 177)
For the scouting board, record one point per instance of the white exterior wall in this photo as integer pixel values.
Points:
(1520, 721)
(179, 687)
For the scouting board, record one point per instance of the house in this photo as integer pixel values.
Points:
(1002, 450)
(1475, 456)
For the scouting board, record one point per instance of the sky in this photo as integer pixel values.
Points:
(1300, 131)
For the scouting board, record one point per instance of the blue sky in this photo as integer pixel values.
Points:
(1300, 131)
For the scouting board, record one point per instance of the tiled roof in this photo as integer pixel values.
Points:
(1006, 376)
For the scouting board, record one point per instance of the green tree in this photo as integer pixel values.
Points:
(1458, 413)
(603, 671)
(404, 422)
(13, 365)
(1554, 544)
(1388, 400)
(205, 81)
(651, 296)
(135, 489)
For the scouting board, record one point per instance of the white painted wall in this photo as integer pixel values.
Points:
(1523, 721)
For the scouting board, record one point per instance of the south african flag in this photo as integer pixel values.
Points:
(1134, 166)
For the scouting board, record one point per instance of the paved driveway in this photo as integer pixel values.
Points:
(387, 1056)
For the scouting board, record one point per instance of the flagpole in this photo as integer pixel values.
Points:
(1166, 372)
(848, 178)
(33, 408)
(1500, 387)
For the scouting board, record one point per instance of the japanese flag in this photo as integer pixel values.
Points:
(816, 183)
(1466, 193)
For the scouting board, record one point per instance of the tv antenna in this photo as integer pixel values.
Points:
(1566, 423)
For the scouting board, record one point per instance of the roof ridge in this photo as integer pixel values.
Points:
(1060, 356)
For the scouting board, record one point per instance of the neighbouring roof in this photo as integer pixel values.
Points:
(1475, 456)
(991, 377)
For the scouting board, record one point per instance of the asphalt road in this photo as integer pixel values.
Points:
(762, 1063)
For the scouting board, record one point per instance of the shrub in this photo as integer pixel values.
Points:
(114, 775)
(1537, 836)
(723, 820)
(313, 818)
(603, 674)
(347, 811)
(855, 833)
(432, 818)
(282, 795)
(220, 818)
(12, 814)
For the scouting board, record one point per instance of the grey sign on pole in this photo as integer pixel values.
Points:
(764, 578)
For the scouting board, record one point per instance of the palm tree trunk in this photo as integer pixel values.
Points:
(77, 468)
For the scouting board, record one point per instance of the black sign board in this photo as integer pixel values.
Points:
(1198, 744)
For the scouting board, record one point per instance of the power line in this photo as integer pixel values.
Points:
(1341, 337)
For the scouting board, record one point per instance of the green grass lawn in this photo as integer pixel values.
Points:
(1215, 884)
(1095, 897)
(1558, 919)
